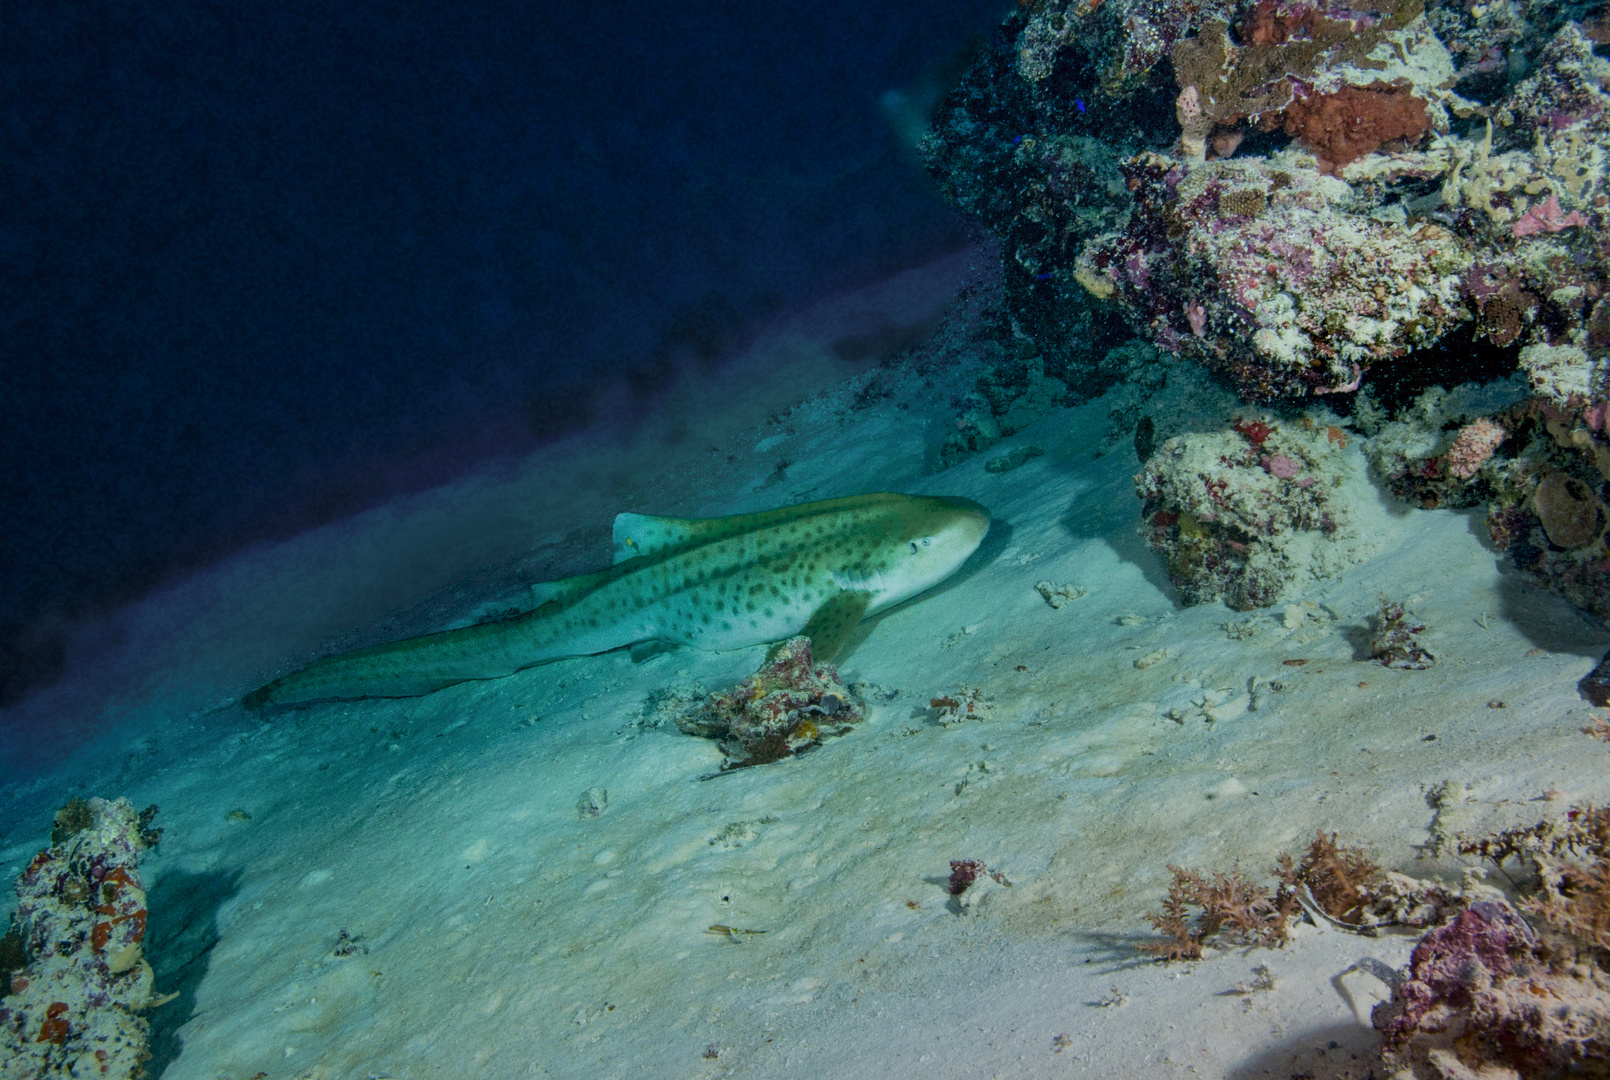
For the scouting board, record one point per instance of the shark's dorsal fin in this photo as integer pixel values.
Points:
(644, 534)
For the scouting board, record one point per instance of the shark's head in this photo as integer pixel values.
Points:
(935, 535)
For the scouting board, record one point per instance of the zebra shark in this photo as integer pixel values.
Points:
(720, 583)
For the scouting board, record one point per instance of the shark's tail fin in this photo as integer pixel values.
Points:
(422, 665)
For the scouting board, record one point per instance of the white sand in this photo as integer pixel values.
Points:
(507, 936)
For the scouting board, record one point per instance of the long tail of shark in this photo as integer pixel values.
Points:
(416, 666)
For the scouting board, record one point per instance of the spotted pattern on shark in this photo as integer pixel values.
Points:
(713, 583)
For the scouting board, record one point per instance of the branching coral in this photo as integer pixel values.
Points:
(1244, 913)
(1340, 882)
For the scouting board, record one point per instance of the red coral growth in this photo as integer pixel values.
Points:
(1354, 121)
(963, 872)
(55, 1029)
(1280, 466)
(1254, 431)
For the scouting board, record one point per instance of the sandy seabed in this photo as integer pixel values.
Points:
(409, 889)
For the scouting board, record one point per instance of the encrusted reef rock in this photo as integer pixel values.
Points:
(1484, 998)
(1539, 461)
(1445, 447)
(1275, 274)
(1243, 514)
(786, 707)
(1338, 188)
(1491, 994)
(73, 1007)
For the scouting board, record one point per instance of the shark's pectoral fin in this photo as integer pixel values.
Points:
(644, 650)
(832, 623)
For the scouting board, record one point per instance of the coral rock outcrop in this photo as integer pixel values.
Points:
(73, 1008)
(1243, 514)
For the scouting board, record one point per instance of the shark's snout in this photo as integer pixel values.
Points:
(969, 520)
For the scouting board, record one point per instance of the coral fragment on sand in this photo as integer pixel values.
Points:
(787, 706)
(1395, 642)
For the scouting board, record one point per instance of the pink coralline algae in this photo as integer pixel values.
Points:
(1450, 964)
(1474, 446)
(1547, 218)
(1280, 466)
(1480, 1000)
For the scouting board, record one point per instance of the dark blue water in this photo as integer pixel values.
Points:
(265, 264)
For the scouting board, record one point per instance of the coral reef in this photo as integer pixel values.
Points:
(1443, 448)
(1489, 995)
(1485, 994)
(1308, 198)
(1274, 274)
(1595, 688)
(1243, 514)
(1347, 185)
(71, 1006)
(1532, 448)
(785, 708)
